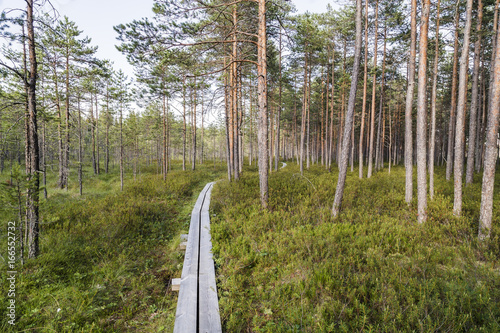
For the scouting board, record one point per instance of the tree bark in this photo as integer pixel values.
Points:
(374, 91)
(432, 139)
(32, 202)
(409, 105)
(422, 115)
(278, 120)
(339, 192)
(378, 147)
(474, 99)
(451, 129)
(303, 118)
(460, 127)
(491, 150)
(262, 100)
(365, 83)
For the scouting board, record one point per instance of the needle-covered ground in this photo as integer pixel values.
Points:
(295, 269)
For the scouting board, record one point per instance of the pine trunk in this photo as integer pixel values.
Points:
(460, 126)
(339, 192)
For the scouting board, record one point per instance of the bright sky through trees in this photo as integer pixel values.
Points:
(97, 17)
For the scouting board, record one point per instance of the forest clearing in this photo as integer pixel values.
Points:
(343, 164)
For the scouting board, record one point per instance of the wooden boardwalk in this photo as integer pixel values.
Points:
(198, 305)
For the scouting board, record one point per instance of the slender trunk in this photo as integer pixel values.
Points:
(202, 130)
(184, 124)
(164, 137)
(491, 150)
(454, 80)
(33, 177)
(193, 167)
(481, 132)
(92, 132)
(308, 121)
(432, 139)
(262, 93)
(80, 148)
(97, 160)
(374, 90)
(121, 146)
(422, 114)
(378, 146)
(106, 166)
(303, 118)
(460, 127)
(474, 99)
(409, 106)
(365, 84)
(330, 153)
(278, 120)
(339, 192)
(66, 126)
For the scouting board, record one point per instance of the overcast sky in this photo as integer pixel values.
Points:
(97, 17)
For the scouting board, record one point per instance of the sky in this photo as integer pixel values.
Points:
(97, 17)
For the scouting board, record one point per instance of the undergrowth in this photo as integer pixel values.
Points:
(295, 269)
(107, 257)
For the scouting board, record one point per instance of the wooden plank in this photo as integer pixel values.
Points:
(187, 305)
(176, 284)
(208, 317)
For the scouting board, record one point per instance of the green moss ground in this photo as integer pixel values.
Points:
(374, 269)
(107, 258)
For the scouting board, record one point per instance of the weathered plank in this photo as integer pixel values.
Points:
(208, 317)
(176, 284)
(197, 306)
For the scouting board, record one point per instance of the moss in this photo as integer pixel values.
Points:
(293, 268)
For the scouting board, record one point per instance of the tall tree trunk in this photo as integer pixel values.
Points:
(462, 103)
(330, 152)
(193, 167)
(108, 116)
(409, 105)
(278, 120)
(33, 176)
(365, 84)
(92, 132)
(378, 146)
(491, 150)
(262, 93)
(454, 80)
(432, 139)
(184, 124)
(97, 160)
(202, 131)
(308, 121)
(66, 126)
(80, 148)
(474, 99)
(339, 192)
(121, 147)
(303, 118)
(165, 160)
(422, 114)
(374, 90)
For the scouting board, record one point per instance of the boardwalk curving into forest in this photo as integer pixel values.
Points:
(198, 306)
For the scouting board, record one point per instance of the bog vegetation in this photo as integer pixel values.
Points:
(290, 269)
(107, 257)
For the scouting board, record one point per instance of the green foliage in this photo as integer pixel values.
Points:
(293, 268)
(107, 258)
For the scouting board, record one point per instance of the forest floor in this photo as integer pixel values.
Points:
(295, 269)
(107, 257)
